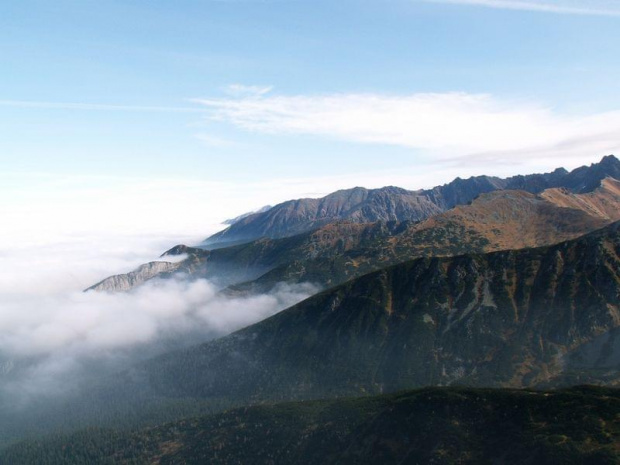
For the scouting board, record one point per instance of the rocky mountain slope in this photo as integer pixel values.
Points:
(504, 319)
(358, 204)
(340, 251)
(394, 204)
(127, 281)
(440, 426)
(157, 269)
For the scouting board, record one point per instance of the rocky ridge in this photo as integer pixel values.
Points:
(395, 204)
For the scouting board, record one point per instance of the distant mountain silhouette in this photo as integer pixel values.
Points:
(395, 204)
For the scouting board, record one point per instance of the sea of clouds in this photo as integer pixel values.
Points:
(54, 336)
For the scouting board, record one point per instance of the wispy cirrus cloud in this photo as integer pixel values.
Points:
(96, 106)
(210, 140)
(444, 125)
(241, 90)
(575, 7)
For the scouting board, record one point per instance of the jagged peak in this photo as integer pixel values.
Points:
(610, 159)
(183, 249)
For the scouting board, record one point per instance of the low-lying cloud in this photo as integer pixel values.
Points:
(54, 336)
(100, 321)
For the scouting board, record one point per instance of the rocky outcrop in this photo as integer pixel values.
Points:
(126, 282)
(587, 178)
(188, 261)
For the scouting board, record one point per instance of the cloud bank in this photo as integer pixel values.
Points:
(48, 344)
(445, 125)
(54, 337)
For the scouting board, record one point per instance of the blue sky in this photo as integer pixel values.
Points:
(238, 103)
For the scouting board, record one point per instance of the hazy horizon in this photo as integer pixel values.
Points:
(128, 118)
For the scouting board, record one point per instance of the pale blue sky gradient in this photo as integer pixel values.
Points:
(112, 88)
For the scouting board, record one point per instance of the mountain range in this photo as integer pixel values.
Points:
(395, 204)
(519, 318)
(472, 294)
(341, 250)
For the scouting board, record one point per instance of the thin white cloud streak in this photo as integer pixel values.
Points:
(241, 90)
(210, 140)
(443, 126)
(588, 8)
(96, 107)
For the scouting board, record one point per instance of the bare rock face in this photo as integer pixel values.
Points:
(588, 178)
(192, 258)
(358, 205)
(126, 282)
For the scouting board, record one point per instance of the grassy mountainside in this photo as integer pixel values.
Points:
(433, 425)
(509, 319)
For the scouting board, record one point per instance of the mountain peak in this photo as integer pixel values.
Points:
(588, 178)
(183, 249)
(610, 160)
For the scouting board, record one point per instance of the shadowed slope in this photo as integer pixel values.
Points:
(500, 319)
(441, 426)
